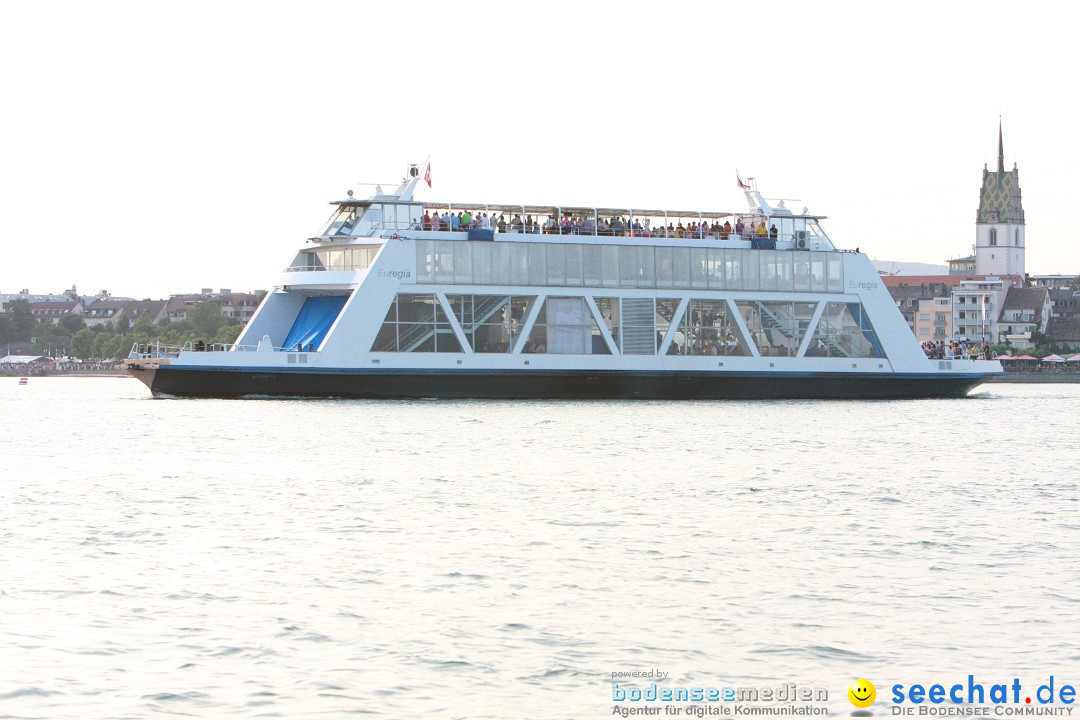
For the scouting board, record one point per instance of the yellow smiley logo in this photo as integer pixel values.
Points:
(862, 693)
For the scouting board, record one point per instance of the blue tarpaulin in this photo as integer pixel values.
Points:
(314, 321)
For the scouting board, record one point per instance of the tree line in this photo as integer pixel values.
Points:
(113, 340)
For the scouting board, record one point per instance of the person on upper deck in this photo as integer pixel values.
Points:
(773, 232)
(727, 230)
(761, 231)
(466, 220)
(501, 225)
(739, 228)
(427, 220)
(455, 222)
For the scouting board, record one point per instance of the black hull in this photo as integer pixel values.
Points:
(550, 384)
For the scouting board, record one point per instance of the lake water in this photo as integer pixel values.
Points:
(322, 559)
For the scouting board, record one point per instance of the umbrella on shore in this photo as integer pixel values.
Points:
(1074, 358)
(1004, 357)
(1024, 357)
(1053, 358)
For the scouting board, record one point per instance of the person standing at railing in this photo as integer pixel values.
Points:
(455, 222)
(444, 221)
(773, 233)
(427, 220)
(466, 220)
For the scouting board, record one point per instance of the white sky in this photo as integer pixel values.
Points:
(152, 148)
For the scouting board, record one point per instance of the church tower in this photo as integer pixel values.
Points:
(999, 227)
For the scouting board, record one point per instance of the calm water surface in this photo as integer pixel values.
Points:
(305, 559)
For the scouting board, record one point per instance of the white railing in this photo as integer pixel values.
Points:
(147, 351)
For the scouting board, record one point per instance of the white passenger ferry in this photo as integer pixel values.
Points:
(401, 298)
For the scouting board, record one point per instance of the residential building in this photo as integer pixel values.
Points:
(909, 298)
(238, 307)
(1064, 302)
(976, 306)
(102, 310)
(53, 311)
(153, 309)
(933, 319)
(962, 266)
(1064, 332)
(31, 298)
(1055, 281)
(1024, 311)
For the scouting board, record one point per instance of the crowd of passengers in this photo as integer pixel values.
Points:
(584, 225)
(956, 350)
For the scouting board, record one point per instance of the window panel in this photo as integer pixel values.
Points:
(680, 259)
(556, 264)
(845, 331)
(646, 267)
(664, 271)
(698, 258)
(707, 328)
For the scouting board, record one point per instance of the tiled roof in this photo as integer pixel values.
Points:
(1064, 329)
(1025, 299)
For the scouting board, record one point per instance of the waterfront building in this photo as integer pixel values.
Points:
(933, 319)
(1064, 333)
(237, 307)
(1064, 302)
(976, 304)
(1023, 312)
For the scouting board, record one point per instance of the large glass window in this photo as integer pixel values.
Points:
(565, 326)
(665, 315)
(416, 323)
(491, 323)
(776, 328)
(628, 266)
(609, 314)
(845, 331)
(353, 257)
(707, 328)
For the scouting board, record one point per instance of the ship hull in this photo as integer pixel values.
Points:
(551, 384)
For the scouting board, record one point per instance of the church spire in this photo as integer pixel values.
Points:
(1001, 150)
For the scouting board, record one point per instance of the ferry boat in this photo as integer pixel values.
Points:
(403, 298)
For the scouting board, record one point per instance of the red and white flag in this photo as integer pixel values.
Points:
(742, 185)
(427, 174)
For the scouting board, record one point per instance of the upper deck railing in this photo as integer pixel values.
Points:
(758, 227)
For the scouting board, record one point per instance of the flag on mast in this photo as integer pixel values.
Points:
(427, 173)
(742, 185)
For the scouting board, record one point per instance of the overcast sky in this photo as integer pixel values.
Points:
(152, 148)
